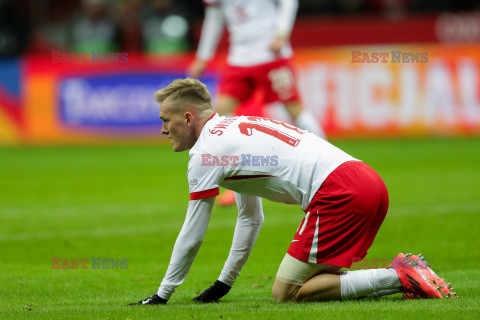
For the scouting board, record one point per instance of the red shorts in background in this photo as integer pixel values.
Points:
(275, 80)
(343, 217)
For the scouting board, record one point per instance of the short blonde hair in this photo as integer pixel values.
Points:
(189, 91)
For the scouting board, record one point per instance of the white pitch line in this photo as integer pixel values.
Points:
(90, 233)
(148, 208)
(17, 212)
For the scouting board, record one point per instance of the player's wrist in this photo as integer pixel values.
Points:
(222, 286)
(214, 292)
(162, 301)
(226, 281)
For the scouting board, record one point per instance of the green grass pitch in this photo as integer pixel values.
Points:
(129, 202)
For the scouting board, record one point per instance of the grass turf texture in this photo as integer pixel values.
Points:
(129, 203)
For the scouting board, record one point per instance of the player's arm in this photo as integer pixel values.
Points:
(285, 19)
(187, 245)
(212, 29)
(203, 188)
(249, 221)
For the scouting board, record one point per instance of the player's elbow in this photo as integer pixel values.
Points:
(257, 223)
(258, 219)
(195, 244)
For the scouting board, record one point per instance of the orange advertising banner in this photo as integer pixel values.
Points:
(392, 90)
(358, 91)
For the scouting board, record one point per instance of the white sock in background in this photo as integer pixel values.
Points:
(307, 120)
(362, 283)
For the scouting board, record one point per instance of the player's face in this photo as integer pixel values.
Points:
(175, 126)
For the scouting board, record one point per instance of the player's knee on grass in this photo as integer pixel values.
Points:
(284, 292)
(291, 276)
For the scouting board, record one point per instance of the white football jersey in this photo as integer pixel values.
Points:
(252, 26)
(260, 157)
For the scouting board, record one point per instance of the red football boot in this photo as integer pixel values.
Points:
(439, 283)
(414, 281)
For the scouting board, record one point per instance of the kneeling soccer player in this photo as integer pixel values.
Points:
(345, 203)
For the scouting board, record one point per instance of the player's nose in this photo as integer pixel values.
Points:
(164, 129)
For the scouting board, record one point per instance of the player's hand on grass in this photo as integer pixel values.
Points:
(214, 292)
(154, 299)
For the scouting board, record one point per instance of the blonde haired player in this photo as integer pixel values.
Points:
(344, 200)
(258, 58)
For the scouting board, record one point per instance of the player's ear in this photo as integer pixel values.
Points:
(188, 118)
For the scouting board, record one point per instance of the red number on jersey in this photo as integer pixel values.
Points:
(246, 128)
(254, 118)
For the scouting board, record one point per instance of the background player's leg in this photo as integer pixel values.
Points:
(226, 105)
(304, 118)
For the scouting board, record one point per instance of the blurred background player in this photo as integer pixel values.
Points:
(258, 58)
